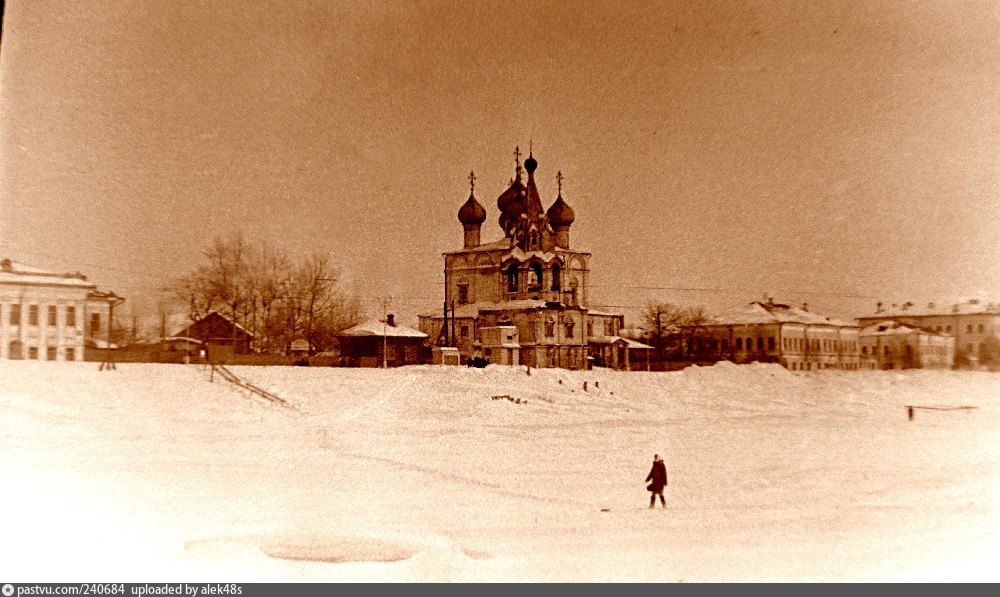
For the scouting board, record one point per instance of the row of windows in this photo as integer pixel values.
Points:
(809, 366)
(15, 351)
(797, 344)
(887, 350)
(969, 328)
(53, 316)
(535, 274)
(550, 329)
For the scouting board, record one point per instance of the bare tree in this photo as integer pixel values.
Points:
(259, 287)
(666, 322)
(323, 305)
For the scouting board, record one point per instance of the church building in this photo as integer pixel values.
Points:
(522, 299)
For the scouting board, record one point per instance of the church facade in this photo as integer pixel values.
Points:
(522, 299)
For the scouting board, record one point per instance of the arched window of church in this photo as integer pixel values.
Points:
(569, 329)
(572, 292)
(550, 328)
(533, 239)
(463, 293)
(512, 278)
(535, 280)
(556, 272)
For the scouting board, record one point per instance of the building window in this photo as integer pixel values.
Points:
(50, 353)
(15, 314)
(886, 351)
(947, 328)
(760, 343)
(569, 329)
(979, 328)
(465, 331)
(535, 281)
(770, 343)
(590, 328)
(52, 315)
(70, 316)
(33, 352)
(15, 350)
(95, 323)
(864, 350)
(512, 278)
(968, 329)
(725, 344)
(739, 344)
(463, 293)
(550, 329)
(556, 282)
(32, 314)
(70, 354)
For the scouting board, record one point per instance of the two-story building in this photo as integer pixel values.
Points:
(974, 324)
(50, 316)
(769, 332)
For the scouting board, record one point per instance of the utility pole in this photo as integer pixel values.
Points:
(385, 324)
(109, 359)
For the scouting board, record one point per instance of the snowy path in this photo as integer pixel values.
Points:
(416, 474)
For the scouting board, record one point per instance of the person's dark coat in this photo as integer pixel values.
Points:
(658, 476)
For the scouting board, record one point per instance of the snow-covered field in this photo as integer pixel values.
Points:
(151, 473)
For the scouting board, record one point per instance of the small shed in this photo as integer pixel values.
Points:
(377, 343)
(619, 353)
(220, 333)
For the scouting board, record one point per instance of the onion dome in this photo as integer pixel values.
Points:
(530, 164)
(514, 192)
(472, 213)
(560, 213)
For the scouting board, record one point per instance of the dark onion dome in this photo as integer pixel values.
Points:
(560, 213)
(472, 212)
(530, 164)
(515, 189)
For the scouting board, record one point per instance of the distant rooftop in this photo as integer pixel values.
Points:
(770, 312)
(894, 328)
(13, 272)
(376, 327)
(908, 309)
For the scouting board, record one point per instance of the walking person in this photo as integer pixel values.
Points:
(658, 477)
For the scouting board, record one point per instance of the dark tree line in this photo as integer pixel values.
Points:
(671, 329)
(276, 297)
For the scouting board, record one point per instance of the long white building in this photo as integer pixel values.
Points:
(49, 316)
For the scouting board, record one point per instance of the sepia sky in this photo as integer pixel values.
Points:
(835, 153)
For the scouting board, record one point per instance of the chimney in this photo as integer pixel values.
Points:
(930, 305)
(878, 307)
(6, 265)
(805, 306)
(390, 320)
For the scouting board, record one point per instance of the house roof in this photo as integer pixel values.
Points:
(757, 313)
(212, 313)
(13, 272)
(894, 328)
(631, 344)
(472, 310)
(378, 327)
(971, 307)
